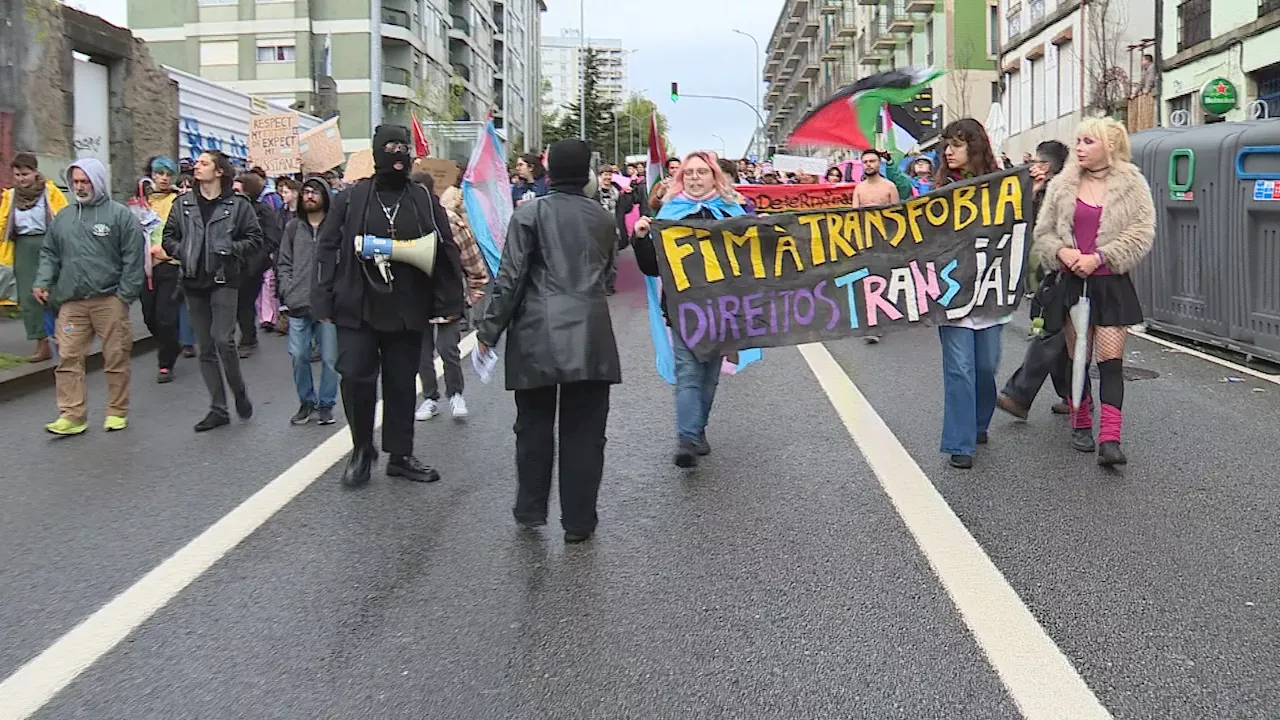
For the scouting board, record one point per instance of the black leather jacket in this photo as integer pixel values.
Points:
(549, 296)
(233, 229)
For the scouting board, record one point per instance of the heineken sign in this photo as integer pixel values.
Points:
(1218, 96)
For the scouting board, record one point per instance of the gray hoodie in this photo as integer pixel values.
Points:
(296, 261)
(93, 248)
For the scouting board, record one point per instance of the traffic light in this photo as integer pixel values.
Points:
(675, 91)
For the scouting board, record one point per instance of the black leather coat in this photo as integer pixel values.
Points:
(549, 296)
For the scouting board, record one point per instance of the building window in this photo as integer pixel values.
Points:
(1068, 78)
(928, 40)
(1038, 112)
(1037, 11)
(1193, 22)
(1266, 7)
(1180, 110)
(219, 2)
(1015, 22)
(1013, 104)
(993, 30)
(277, 53)
(219, 52)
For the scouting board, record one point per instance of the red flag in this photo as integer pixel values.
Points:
(657, 154)
(421, 147)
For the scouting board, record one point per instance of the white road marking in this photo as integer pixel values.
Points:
(1205, 356)
(1039, 678)
(44, 676)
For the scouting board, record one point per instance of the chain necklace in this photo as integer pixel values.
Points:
(391, 212)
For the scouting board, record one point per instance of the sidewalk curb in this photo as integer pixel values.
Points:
(29, 377)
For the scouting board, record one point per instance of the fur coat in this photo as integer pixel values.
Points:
(1127, 229)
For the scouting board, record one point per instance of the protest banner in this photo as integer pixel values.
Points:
(445, 173)
(799, 164)
(321, 147)
(273, 143)
(798, 198)
(788, 279)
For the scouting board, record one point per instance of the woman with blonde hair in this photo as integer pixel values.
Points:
(1098, 222)
(699, 190)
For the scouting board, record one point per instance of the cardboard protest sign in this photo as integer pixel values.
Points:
(768, 281)
(799, 164)
(444, 172)
(359, 167)
(798, 198)
(273, 143)
(321, 147)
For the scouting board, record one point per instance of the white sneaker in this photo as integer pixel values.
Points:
(457, 407)
(427, 410)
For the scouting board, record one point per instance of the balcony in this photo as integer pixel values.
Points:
(396, 75)
(391, 16)
(812, 23)
(461, 25)
(812, 66)
(898, 19)
(921, 6)
(870, 3)
(462, 71)
(1266, 7)
(881, 38)
(1193, 23)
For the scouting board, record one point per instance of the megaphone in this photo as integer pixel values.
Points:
(420, 253)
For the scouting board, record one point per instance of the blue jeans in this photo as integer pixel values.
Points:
(186, 336)
(695, 391)
(302, 331)
(969, 361)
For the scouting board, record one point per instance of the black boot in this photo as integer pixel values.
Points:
(360, 466)
(686, 454)
(410, 468)
(1110, 455)
(1082, 440)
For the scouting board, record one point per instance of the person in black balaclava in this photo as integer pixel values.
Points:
(380, 323)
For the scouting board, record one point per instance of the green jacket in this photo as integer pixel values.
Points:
(93, 248)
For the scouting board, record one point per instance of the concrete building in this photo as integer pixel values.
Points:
(437, 57)
(818, 47)
(1061, 59)
(562, 68)
(1204, 42)
(517, 86)
(73, 86)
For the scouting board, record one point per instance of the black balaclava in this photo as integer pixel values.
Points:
(384, 162)
(569, 165)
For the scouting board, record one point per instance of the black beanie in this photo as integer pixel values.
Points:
(569, 164)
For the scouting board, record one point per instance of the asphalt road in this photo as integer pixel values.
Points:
(775, 581)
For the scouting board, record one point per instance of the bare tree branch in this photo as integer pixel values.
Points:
(1107, 92)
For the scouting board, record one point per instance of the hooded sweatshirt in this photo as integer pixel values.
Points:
(94, 248)
(296, 265)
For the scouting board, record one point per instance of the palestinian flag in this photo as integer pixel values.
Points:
(850, 117)
(657, 154)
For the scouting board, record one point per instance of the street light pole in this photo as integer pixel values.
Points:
(756, 81)
(723, 147)
(582, 64)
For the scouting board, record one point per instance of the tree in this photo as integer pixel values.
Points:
(633, 128)
(599, 114)
(1108, 88)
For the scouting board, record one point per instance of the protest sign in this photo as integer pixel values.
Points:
(799, 164)
(788, 279)
(273, 143)
(798, 198)
(321, 147)
(444, 172)
(359, 167)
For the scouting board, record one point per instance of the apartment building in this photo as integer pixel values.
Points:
(367, 62)
(819, 46)
(517, 101)
(1221, 60)
(1061, 59)
(562, 68)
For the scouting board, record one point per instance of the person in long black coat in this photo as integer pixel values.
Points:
(549, 299)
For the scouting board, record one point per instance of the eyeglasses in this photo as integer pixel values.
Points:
(396, 147)
(696, 172)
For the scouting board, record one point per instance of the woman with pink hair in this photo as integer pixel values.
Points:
(699, 191)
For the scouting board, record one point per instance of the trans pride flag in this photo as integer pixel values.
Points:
(486, 192)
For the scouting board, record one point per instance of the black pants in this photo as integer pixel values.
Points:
(584, 412)
(362, 354)
(1046, 357)
(247, 308)
(160, 309)
(213, 318)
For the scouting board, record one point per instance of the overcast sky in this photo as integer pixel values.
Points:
(686, 41)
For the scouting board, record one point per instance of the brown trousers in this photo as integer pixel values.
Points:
(78, 322)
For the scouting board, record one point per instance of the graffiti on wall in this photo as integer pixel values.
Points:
(198, 140)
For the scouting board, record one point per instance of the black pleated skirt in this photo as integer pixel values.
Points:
(1113, 299)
